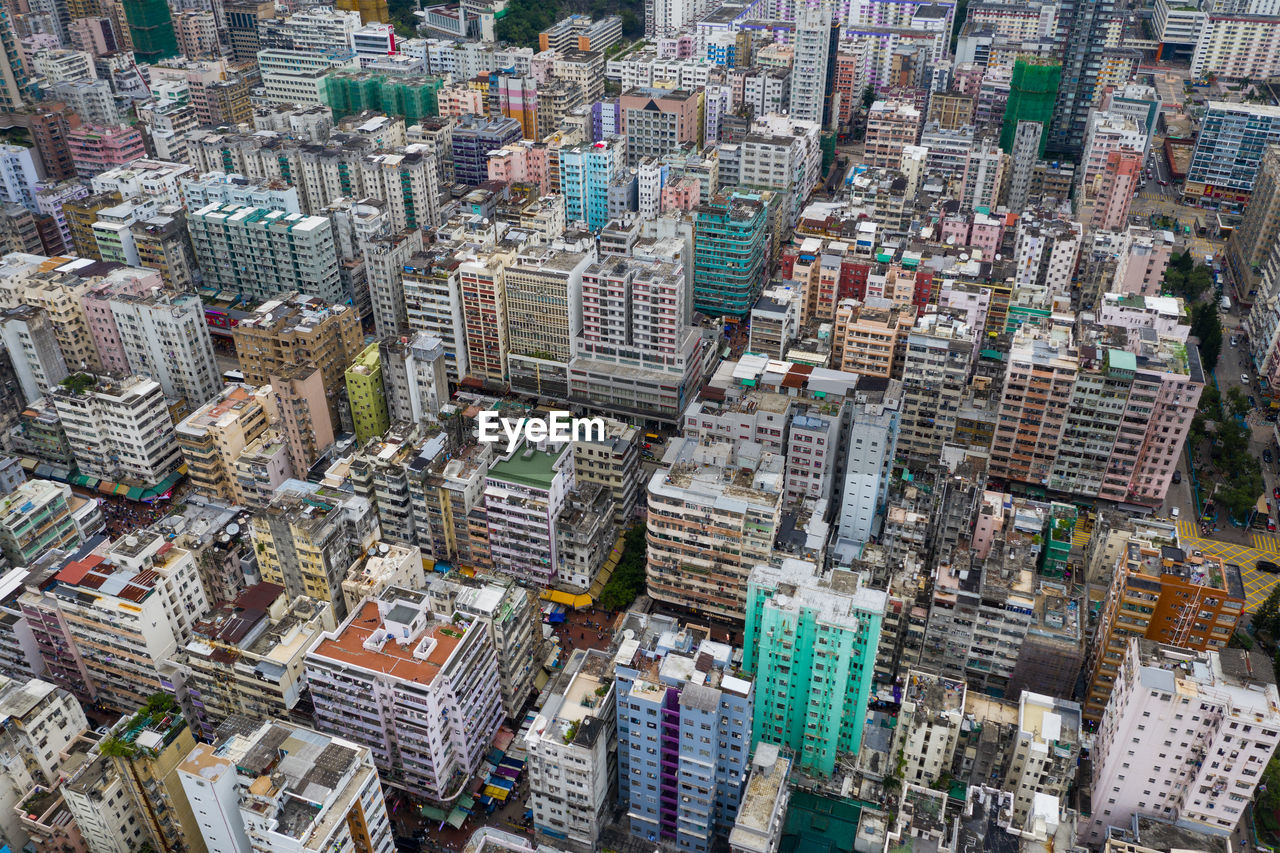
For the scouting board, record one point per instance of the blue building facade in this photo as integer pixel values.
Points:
(684, 733)
(585, 175)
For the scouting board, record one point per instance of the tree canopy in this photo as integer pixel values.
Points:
(628, 579)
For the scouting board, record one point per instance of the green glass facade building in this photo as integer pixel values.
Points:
(810, 644)
(1033, 91)
(151, 28)
(730, 244)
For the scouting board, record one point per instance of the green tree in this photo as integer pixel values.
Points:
(1207, 326)
(1237, 400)
(1267, 617)
(628, 579)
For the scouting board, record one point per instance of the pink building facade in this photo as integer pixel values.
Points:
(1115, 187)
(129, 281)
(95, 149)
(683, 194)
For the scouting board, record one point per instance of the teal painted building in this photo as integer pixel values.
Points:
(810, 644)
(730, 245)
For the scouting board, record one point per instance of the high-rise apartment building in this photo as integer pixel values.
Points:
(164, 337)
(298, 332)
(1186, 737)
(127, 608)
(366, 396)
(151, 30)
(265, 636)
(29, 337)
(213, 437)
(1085, 418)
(810, 644)
(730, 250)
(935, 378)
(1252, 239)
(1166, 595)
(473, 138)
(659, 121)
(1083, 27)
(278, 786)
(415, 377)
(265, 253)
(705, 497)
(120, 430)
(1229, 151)
(572, 747)
(35, 518)
(871, 446)
(419, 689)
(525, 493)
(638, 352)
(509, 613)
(586, 171)
(385, 260)
(699, 752)
(813, 69)
(544, 318)
(307, 538)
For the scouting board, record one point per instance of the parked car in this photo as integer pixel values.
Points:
(1268, 566)
(1266, 456)
(1234, 340)
(1177, 477)
(1244, 379)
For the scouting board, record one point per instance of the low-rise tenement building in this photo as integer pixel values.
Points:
(420, 690)
(276, 786)
(1186, 737)
(572, 747)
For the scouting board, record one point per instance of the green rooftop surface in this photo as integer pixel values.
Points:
(537, 471)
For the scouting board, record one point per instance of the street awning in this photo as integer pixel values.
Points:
(568, 599)
(134, 494)
(107, 487)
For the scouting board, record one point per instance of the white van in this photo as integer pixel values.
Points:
(1225, 303)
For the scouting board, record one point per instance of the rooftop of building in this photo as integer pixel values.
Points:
(1243, 680)
(1159, 835)
(307, 767)
(395, 635)
(1055, 721)
(573, 713)
(837, 597)
(229, 406)
(1168, 561)
(765, 790)
(934, 694)
(528, 466)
